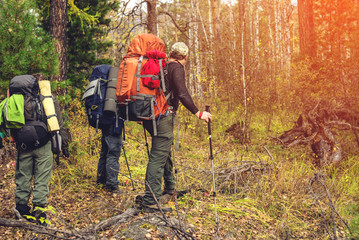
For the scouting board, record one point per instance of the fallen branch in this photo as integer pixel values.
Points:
(124, 217)
(52, 232)
(319, 178)
(177, 231)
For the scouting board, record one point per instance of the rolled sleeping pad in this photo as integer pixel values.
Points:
(111, 99)
(49, 107)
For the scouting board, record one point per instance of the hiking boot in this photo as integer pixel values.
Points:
(167, 195)
(40, 216)
(154, 208)
(139, 200)
(168, 191)
(113, 190)
(165, 198)
(24, 211)
(100, 185)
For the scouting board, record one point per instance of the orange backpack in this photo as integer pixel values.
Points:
(140, 102)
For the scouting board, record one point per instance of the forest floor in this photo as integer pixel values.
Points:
(263, 191)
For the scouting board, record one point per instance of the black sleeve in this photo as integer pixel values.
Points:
(181, 90)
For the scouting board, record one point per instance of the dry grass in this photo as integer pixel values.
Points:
(260, 195)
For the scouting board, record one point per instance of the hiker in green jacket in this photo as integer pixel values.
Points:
(160, 164)
(33, 163)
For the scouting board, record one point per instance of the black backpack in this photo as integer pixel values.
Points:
(34, 133)
(95, 99)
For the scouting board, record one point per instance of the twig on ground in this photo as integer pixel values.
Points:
(319, 177)
(178, 232)
(52, 232)
(270, 155)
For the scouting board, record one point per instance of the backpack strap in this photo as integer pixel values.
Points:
(162, 76)
(138, 74)
(153, 117)
(123, 71)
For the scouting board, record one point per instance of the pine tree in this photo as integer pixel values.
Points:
(86, 41)
(25, 48)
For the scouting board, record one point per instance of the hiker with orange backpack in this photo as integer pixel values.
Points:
(160, 164)
(146, 93)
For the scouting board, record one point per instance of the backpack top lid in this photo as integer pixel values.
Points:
(100, 71)
(144, 43)
(26, 85)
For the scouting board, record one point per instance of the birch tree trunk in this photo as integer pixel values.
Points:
(191, 61)
(242, 5)
(58, 22)
(197, 66)
(211, 49)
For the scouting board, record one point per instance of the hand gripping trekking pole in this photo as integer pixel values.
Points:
(211, 157)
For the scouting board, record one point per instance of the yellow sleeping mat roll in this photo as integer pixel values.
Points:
(49, 107)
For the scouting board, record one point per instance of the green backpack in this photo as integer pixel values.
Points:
(12, 113)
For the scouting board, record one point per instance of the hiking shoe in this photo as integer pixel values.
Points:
(168, 191)
(40, 216)
(139, 200)
(165, 198)
(24, 211)
(113, 190)
(154, 208)
(100, 185)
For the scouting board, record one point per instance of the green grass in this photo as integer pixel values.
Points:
(269, 204)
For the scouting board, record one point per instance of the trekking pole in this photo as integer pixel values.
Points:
(148, 151)
(128, 167)
(58, 137)
(211, 157)
(124, 153)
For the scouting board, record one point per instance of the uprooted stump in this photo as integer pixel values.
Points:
(316, 128)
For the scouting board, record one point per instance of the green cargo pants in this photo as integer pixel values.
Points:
(160, 164)
(35, 163)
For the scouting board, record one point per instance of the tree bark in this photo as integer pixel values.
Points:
(242, 6)
(215, 10)
(58, 22)
(307, 37)
(152, 16)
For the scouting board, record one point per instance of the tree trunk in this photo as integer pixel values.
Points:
(197, 67)
(211, 59)
(242, 4)
(307, 38)
(58, 22)
(215, 10)
(152, 16)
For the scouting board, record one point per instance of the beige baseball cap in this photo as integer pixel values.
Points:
(180, 48)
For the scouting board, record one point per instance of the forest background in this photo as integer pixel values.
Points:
(264, 67)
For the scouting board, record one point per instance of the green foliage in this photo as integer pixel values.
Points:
(352, 211)
(25, 48)
(85, 35)
(81, 14)
(85, 41)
